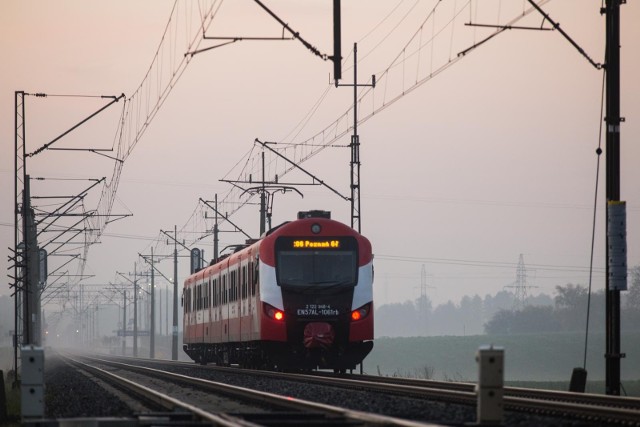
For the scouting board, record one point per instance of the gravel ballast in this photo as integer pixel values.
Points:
(70, 393)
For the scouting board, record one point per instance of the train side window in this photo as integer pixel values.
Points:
(234, 285)
(244, 282)
(256, 276)
(224, 289)
(230, 286)
(239, 282)
(214, 300)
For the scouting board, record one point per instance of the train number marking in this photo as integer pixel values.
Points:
(317, 310)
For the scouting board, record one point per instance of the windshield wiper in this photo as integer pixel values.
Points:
(320, 286)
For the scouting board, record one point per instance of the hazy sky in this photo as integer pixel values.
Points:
(492, 158)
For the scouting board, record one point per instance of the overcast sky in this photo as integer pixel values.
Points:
(491, 158)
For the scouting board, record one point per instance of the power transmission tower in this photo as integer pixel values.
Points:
(423, 304)
(521, 285)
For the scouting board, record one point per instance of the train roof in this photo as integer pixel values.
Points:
(303, 226)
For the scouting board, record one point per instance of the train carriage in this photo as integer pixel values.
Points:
(299, 298)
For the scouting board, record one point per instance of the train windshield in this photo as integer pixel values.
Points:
(332, 268)
(318, 261)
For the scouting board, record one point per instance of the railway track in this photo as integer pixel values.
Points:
(579, 406)
(593, 407)
(252, 407)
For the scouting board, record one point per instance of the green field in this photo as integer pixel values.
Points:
(534, 357)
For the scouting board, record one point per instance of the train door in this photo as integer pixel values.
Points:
(211, 311)
(244, 320)
(250, 313)
(207, 310)
(192, 313)
(244, 326)
(241, 304)
(255, 298)
(217, 313)
(234, 318)
(239, 301)
(198, 313)
(185, 315)
(225, 307)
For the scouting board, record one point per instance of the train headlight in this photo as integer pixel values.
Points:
(360, 313)
(273, 313)
(316, 228)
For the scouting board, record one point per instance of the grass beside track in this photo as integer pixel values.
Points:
(631, 388)
(13, 405)
(530, 358)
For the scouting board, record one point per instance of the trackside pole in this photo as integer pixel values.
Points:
(490, 385)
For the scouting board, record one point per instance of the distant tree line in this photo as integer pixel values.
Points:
(569, 312)
(475, 315)
(420, 318)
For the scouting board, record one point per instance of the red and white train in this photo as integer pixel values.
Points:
(299, 298)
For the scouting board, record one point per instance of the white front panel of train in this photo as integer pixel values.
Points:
(363, 292)
(269, 289)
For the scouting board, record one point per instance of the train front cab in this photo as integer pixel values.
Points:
(317, 295)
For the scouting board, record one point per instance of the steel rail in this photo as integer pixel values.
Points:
(532, 393)
(591, 412)
(265, 397)
(161, 399)
(580, 405)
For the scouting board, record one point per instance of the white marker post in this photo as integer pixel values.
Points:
(490, 385)
(32, 385)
